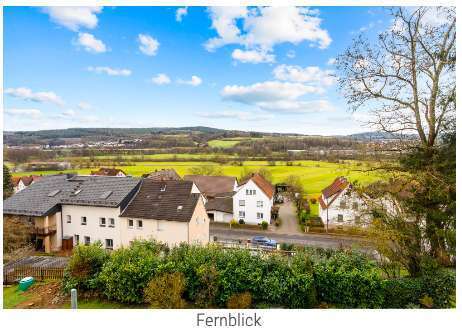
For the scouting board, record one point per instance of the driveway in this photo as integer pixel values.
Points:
(288, 216)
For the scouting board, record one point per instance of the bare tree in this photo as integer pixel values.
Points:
(406, 78)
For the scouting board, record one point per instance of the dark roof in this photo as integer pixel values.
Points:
(212, 185)
(224, 204)
(107, 171)
(35, 199)
(44, 197)
(164, 175)
(163, 200)
(262, 183)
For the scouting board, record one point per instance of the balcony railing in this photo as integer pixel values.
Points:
(48, 230)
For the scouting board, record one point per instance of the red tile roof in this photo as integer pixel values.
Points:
(262, 183)
(107, 171)
(335, 187)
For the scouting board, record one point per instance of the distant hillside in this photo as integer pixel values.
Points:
(378, 136)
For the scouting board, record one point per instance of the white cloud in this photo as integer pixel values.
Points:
(84, 106)
(24, 112)
(264, 27)
(74, 17)
(40, 97)
(297, 106)
(194, 81)
(291, 54)
(148, 45)
(244, 116)
(90, 43)
(331, 61)
(252, 56)
(307, 74)
(161, 79)
(110, 71)
(180, 12)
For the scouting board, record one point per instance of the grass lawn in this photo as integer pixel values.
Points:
(315, 175)
(218, 143)
(100, 304)
(12, 296)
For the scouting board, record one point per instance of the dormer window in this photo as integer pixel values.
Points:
(163, 187)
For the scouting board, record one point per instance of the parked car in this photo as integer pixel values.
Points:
(264, 241)
(279, 199)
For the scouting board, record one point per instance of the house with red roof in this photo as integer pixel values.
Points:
(339, 204)
(22, 182)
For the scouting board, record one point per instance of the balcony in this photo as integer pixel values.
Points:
(48, 230)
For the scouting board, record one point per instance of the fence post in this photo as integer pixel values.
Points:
(73, 298)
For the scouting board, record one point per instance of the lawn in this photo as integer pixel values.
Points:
(218, 143)
(12, 296)
(315, 175)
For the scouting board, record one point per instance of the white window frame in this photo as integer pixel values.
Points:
(111, 222)
(76, 239)
(340, 217)
(260, 204)
(242, 202)
(138, 224)
(259, 215)
(241, 214)
(128, 223)
(83, 220)
(106, 245)
(68, 218)
(101, 223)
(85, 240)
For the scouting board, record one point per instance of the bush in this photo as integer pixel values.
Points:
(440, 285)
(348, 280)
(241, 222)
(84, 266)
(278, 222)
(313, 200)
(264, 225)
(165, 291)
(233, 223)
(401, 292)
(239, 301)
(128, 271)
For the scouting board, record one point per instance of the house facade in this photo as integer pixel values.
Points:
(253, 200)
(339, 205)
(109, 172)
(21, 182)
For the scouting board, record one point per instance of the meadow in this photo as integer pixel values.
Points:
(315, 175)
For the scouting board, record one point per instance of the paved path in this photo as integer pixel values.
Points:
(288, 216)
(314, 240)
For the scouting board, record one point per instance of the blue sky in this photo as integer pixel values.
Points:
(264, 69)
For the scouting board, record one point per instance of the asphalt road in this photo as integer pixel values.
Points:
(314, 240)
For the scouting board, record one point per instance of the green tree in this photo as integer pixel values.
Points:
(7, 182)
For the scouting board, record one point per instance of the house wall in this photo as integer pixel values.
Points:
(250, 207)
(220, 216)
(349, 214)
(199, 226)
(92, 228)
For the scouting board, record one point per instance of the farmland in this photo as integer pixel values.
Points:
(315, 175)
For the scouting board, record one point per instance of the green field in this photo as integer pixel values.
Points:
(218, 143)
(315, 175)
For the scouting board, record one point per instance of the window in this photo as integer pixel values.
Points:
(68, 219)
(76, 239)
(241, 214)
(130, 223)
(109, 244)
(83, 220)
(139, 223)
(111, 222)
(357, 219)
(250, 192)
(241, 202)
(355, 205)
(340, 218)
(259, 215)
(259, 203)
(102, 222)
(254, 192)
(87, 240)
(159, 226)
(343, 204)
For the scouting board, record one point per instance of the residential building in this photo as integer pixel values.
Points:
(164, 175)
(253, 200)
(21, 182)
(168, 211)
(109, 172)
(220, 209)
(339, 204)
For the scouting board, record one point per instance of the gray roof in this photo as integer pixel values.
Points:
(45, 196)
(223, 204)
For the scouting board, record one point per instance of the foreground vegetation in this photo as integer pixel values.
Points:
(210, 277)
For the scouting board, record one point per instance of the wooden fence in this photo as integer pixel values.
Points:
(39, 273)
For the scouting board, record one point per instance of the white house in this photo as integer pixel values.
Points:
(109, 172)
(253, 200)
(339, 204)
(21, 182)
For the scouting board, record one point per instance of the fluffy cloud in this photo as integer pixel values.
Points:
(308, 74)
(161, 79)
(262, 28)
(148, 45)
(194, 81)
(110, 71)
(40, 97)
(276, 96)
(244, 116)
(84, 106)
(24, 112)
(331, 61)
(180, 12)
(74, 18)
(252, 56)
(90, 43)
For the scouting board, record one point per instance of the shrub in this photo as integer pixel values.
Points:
(207, 275)
(165, 291)
(241, 222)
(313, 200)
(440, 285)
(128, 271)
(84, 266)
(233, 223)
(278, 222)
(400, 292)
(264, 225)
(239, 301)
